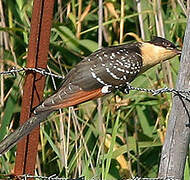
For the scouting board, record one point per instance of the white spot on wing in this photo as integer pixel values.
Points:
(70, 87)
(97, 78)
(123, 57)
(127, 65)
(59, 96)
(100, 81)
(112, 74)
(138, 54)
(119, 62)
(113, 54)
(127, 71)
(93, 74)
(121, 70)
(52, 101)
(106, 90)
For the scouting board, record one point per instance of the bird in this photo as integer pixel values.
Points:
(101, 73)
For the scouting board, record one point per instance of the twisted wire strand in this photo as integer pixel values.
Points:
(182, 93)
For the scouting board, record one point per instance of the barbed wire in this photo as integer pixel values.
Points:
(55, 177)
(164, 178)
(13, 71)
(155, 92)
(52, 177)
(182, 93)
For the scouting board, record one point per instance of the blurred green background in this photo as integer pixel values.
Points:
(74, 142)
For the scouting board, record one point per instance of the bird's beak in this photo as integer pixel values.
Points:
(178, 51)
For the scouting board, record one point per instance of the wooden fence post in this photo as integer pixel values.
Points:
(174, 152)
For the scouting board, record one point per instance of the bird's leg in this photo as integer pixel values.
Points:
(125, 89)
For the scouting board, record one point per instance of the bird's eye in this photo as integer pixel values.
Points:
(165, 44)
(168, 46)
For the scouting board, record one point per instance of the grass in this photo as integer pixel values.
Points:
(134, 125)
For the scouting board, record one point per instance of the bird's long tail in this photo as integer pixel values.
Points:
(12, 139)
(54, 102)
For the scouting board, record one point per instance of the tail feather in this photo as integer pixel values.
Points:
(43, 110)
(12, 139)
(55, 102)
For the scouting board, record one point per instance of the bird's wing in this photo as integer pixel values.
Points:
(106, 67)
(79, 86)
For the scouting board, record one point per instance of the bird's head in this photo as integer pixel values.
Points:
(157, 51)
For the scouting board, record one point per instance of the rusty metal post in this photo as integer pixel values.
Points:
(34, 83)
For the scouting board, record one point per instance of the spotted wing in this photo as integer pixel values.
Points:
(118, 65)
(109, 66)
(106, 67)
